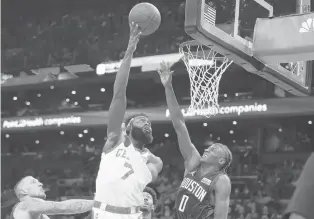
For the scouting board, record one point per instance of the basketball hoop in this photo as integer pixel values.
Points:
(205, 67)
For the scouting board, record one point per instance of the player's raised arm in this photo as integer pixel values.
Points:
(118, 104)
(188, 150)
(222, 197)
(74, 206)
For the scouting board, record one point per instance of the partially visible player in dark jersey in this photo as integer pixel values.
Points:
(205, 189)
(302, 202)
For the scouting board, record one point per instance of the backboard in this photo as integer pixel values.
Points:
(292, 76)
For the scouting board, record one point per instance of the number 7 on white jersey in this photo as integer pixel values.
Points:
(130, 172)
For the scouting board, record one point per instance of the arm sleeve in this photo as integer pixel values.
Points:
(302, 200)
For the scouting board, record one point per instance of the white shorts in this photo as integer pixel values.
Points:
(100, 214)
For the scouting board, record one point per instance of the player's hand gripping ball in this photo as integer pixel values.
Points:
(146, 16)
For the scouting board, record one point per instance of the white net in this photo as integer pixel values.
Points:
(205, 68)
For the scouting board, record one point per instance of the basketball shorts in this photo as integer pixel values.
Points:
(100, 214)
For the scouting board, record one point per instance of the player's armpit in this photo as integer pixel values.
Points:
(112, 141)
(222, 197)
(74, 206)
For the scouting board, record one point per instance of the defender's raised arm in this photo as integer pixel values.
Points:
(190, 154)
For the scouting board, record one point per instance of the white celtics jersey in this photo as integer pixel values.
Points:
(122, 177)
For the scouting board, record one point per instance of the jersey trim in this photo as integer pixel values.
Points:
(213, 184)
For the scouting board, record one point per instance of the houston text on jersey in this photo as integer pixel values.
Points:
(196, 189)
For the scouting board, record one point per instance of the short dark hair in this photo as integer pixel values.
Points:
(152, 192)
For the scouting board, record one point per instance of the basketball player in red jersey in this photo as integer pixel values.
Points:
(32, 205)
(205, 189)
(301, 203)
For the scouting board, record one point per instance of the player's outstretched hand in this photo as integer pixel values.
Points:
(165, 73)
(135, 34)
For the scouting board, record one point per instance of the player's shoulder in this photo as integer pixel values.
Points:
(30, 201)
(223, 178)
(27, 204)
(223, 181)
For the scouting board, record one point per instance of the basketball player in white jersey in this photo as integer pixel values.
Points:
(32, 205)
(126, 166)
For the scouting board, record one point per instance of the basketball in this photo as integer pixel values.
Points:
(147, 16)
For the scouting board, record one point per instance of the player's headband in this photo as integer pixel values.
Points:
(128, 126)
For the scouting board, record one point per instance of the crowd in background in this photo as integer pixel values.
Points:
(80, 36)
(43, 36)
(259, 191)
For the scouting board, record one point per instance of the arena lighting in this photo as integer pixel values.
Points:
(234, 122)
(37, 141)
(61, 132)
(87, 98)
(27, 103)
(75, 103)
(166, 135)
(280, 129)
(102, 89)
(80, 135)
(231, 132)
(39, 95)
(67, 100)
(7, 136)
(85, 131)
(92, 139)
(14, 98)
(101, 69)
(73, 92)
(310, 122)
(205, 124)
(52, 87)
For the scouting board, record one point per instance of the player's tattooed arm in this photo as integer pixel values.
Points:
(190, 154)
(222, 197)
(118, 104)
(74, 206)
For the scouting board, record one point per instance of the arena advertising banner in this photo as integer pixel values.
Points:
(243, 109)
